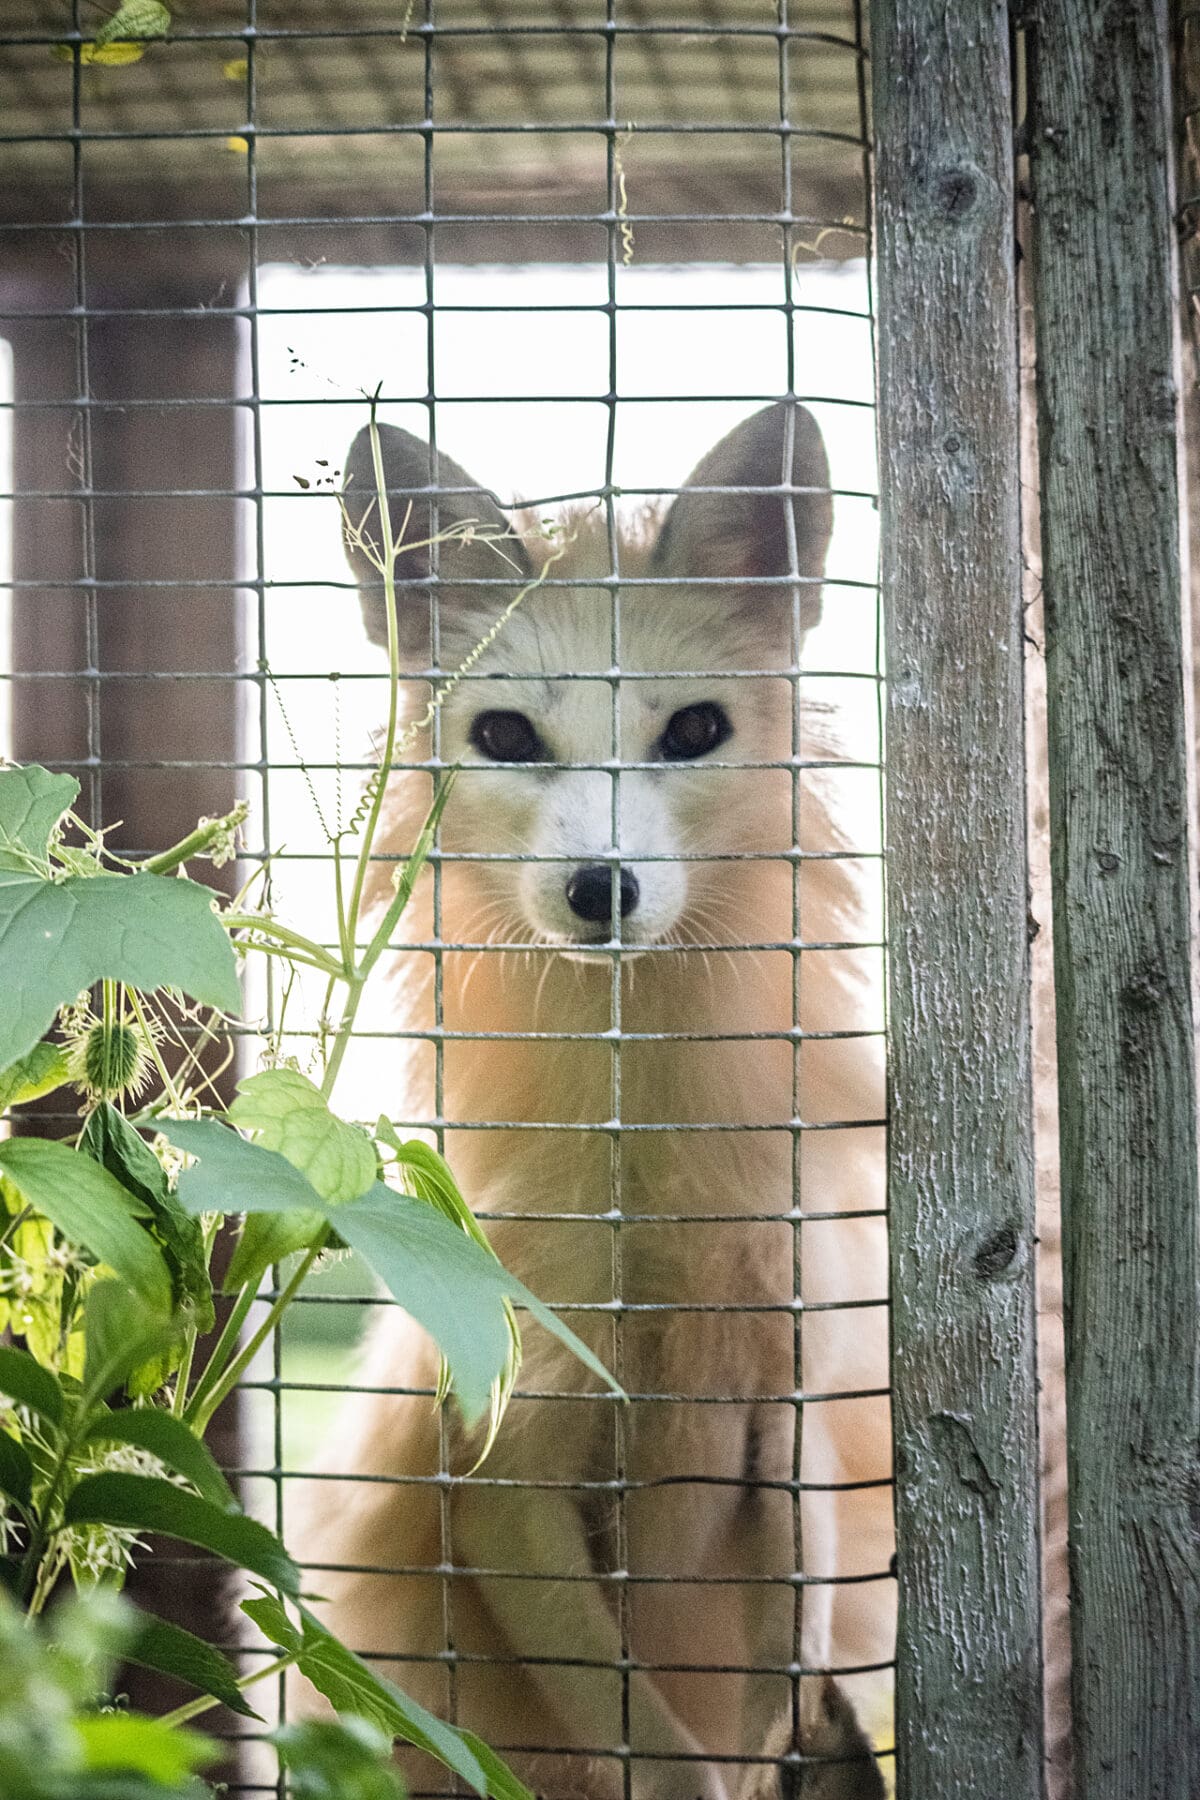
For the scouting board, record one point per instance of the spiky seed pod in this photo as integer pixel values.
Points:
(109, 1058)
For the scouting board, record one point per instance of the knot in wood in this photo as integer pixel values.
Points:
(954, 191)
(996, 1252)
(1145, 990)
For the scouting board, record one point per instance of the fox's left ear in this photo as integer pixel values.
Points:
(740, 532)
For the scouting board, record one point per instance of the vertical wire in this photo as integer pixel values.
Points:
(866, 129)
(620, 1443)
(84, 463)
(255, 398)
(445, 1496)
(799, 1571)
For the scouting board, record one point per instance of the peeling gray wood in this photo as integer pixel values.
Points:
(1107, 358)
(961, 1191)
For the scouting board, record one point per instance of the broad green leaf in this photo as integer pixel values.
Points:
(502, 1784)
(354, 1688)
(131, 1744)
(289, 1114)
(32, 801)
(269, 1615)
(172, 1651)
(267, 1238)
(26, 1382)
(43, 1070)
(92, 1210)
(121, 1333)
(233, 1175)
(16, 1471)
(351, 1687)
(57, 938)
(112, 1141)
(174, 1444)
(338, 1759)
(135, 19)
(146, 1503)
(428, 1176)
(451, 1286)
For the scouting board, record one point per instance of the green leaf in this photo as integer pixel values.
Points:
(135, 1745)
(290, 1117)
(351, 1687)
(269, 1615)
(92, 1210)
(43, 1070)
(233, 1175)
(57, 938)
(32, 801)
(16, 1471)
(502, 1784)
(354, 1688)
(266, 1238)
(112, 1141)
(120, 1332)
(134, 20)
(338, 1759)
(289, 1114)
(451, 1286)
(147, 1503)
(170, 1650)
(174, 1444)
(26, 1382)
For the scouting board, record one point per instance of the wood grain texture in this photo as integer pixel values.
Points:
(1107, 359)
(961, 1190)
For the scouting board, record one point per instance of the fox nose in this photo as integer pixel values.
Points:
(589, 893)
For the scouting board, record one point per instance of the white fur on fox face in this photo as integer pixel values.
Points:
(577, 824)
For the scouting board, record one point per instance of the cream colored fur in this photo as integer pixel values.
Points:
(554, 1575)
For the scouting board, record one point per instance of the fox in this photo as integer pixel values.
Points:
(646, 1035)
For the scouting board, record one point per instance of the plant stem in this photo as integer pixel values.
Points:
(282, 934)
(192, 1709)
(195, 843)
(184, 1372)
(388, 562)
(201, 1410)
(222, 1350)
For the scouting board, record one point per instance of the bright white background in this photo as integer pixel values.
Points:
(717, 332)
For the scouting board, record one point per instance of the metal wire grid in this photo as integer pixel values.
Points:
(253, 37)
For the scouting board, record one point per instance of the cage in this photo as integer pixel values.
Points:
(612, 272)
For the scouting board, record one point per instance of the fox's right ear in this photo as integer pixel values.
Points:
(730, 518)
(425, 502)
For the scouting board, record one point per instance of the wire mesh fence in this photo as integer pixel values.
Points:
(606, 270)
(572, 252)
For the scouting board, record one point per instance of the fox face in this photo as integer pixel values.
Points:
(612, 775)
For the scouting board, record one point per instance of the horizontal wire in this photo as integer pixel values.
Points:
(605, 1397)
(321, 221)
(599, 397)
(435, 308)
(417, 30)
(615, 1578)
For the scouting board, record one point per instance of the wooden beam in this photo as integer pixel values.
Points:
(1107, 335)
(91, 637)
(961, 1189)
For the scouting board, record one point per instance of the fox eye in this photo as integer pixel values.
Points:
(695, 730)
(507, 737)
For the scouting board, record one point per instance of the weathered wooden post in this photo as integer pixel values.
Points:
(1107, 346)
(961, 1191)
